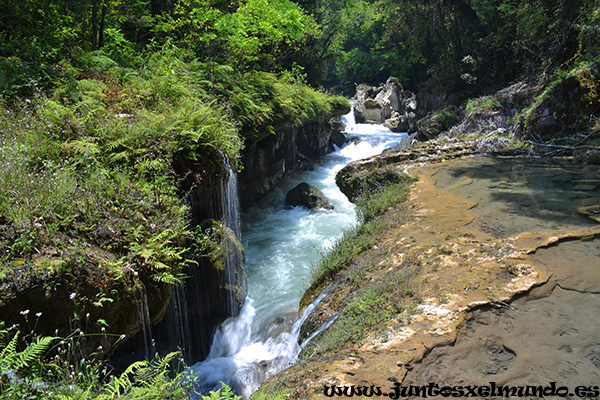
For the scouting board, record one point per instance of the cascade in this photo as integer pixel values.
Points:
(282, 245)
(230, 206)
(146, 326)
(208, 296)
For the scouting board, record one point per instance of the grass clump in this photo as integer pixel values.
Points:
(483, 104)
(388, 196)
(369, 206)
(370, 312)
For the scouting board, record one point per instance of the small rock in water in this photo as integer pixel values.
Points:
(307, 196)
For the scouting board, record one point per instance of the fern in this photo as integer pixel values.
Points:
(81, 147)
(26, 362)
(224, 393)
(23, 361)
(10, 348)
(148, 380)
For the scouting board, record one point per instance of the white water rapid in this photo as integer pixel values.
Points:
(282, 245)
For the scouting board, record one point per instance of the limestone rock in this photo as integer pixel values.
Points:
(564, 108)
(402, 123)
(268, 160)
(376, 104)
(307, 196)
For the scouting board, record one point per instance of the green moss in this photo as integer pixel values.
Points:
(483, 104)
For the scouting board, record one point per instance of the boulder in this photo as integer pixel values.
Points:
(376, 104)
(402, 123)
(307, 196)
(429, 126)
(337, 137)
(564, 107)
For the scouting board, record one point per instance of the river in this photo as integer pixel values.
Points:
(283, 244)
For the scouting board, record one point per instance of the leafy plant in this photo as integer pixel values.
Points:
(25, 361)
(150, 380)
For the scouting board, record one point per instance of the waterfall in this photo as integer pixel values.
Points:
(208, 295)
(282, 245)
(146, 326)
(230, 206)
(230, 200)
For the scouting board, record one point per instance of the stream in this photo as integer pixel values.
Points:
(282, 245)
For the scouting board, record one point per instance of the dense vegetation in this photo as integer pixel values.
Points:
(100, 99)
(445, 44)
(452, 45)
(103, 105)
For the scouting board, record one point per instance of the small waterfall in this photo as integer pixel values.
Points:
(230, 206)
(146, 327)
(208, 296)
(230, 201)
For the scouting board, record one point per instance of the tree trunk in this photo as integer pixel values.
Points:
(94, 24)
(102, 24)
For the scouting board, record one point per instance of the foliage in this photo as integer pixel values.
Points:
(483, 104)
(94, 161)
(224, 393)
(261, 33)
(45, 369)
(372, 203)
(451, 46)
(149, 380)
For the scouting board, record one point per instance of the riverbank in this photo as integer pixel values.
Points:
(441, 262)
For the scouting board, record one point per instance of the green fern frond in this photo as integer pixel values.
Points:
(34, 351)
(10, 348)
(167, 277)
(224, 393)
(81, 147)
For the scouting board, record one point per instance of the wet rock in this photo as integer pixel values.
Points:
(268, 160)
(402, 123)
(307, 196)
(337, 137)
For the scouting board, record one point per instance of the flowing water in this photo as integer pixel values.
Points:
(282, 245)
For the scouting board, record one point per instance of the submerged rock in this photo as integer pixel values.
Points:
(307, 196)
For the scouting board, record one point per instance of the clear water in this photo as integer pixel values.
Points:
(551, 333)
(282, 245)
(522, 195)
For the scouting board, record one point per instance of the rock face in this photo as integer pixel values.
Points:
(563, 109)
(215, 284)
(432, 125)
(307, 196)
(82, 295)
(486, 115)
(270, 159)
(387, 103)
